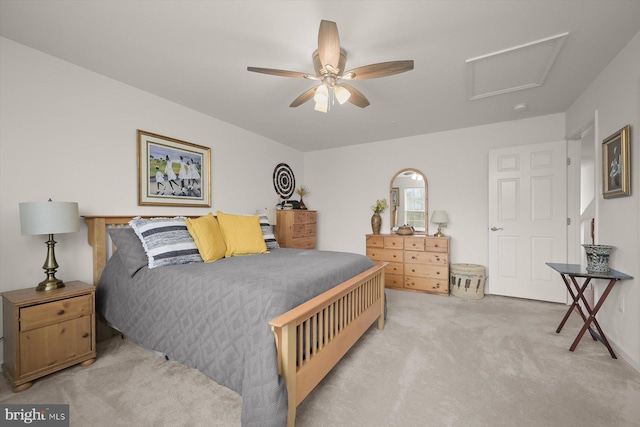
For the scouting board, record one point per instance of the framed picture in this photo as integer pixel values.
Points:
(395, 197)
(616, 164)
(172, 172)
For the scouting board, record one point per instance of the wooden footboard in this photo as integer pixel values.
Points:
(311, 338)
(314, 336)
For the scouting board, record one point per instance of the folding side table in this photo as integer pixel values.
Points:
(571, 271)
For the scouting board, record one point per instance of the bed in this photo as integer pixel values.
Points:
(269, 327)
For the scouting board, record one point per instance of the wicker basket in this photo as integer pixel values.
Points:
(467, 280)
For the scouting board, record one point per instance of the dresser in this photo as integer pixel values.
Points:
(296, 228)
(45, 331)
(417, 263)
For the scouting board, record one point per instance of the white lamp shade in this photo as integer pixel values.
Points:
(49, 218)
(322, 107)
(322, 95)
(342, 94)
(439, 217)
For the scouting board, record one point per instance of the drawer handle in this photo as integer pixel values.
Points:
(413, 270)
(437, 258)
(413, 257)
(437, 272)
(60, 313)
(85, 335)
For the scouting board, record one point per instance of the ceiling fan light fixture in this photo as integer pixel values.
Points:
(322, 95)
(323, 107)
(342, 94)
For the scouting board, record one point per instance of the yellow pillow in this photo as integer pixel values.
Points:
(242, 234)
(208, 237)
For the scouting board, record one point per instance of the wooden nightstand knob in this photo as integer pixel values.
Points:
(60, 313)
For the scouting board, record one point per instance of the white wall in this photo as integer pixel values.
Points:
(70, 134)
(614, 98)
(345, 182)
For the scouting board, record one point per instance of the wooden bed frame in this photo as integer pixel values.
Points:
(311, 338)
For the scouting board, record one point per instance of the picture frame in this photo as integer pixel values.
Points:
(172, 172)
(616, 164)
(395, 197)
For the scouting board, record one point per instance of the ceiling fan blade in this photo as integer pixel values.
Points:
(356, 98)
(282, 73)
(382, 69)
(306, 96)
(329, 45)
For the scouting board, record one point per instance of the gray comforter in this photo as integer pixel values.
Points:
(215, 316)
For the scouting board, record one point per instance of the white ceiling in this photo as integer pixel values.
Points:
(196, 53)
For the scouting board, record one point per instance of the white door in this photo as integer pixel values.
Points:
(528, 220)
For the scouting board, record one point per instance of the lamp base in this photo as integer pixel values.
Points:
(50, 266)
(439, 233)
(49, 284)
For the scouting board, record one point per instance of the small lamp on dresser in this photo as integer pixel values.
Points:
(49, 218)
(442, 219)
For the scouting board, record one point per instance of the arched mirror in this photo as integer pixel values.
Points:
(408, 200)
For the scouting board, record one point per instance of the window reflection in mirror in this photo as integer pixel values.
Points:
(408, 200)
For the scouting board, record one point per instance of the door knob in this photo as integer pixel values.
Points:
(495, 229)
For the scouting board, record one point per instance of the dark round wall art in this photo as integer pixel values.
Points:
(283, 181)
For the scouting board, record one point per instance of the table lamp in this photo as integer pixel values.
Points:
(49, 218)
(442, 219)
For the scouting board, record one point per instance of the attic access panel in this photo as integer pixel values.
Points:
(516, 68)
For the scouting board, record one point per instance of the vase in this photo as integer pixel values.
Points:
(376, 222)
(302, 205)
(597, 258)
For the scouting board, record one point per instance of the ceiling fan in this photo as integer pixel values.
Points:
(329, 62)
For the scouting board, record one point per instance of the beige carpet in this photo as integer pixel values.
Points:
(439, 362)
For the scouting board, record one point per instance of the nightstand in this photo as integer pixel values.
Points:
(47, 331)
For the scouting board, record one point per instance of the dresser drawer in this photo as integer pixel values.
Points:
(436, 245)
(309, 229)
(426, 270)
(394, 268)
(303, 230)
(299, 217)
(392, 242)
(304, 243)
(375, 242)
(55, 312)
(437, 258)
(390, 255)
(393, 281)
(429, 285)
(304, 217)
(414, 243)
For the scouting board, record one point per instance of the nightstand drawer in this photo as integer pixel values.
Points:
(54, 344)
(55, 312)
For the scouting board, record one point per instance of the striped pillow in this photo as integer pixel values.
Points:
(267, 232)
(166, 241)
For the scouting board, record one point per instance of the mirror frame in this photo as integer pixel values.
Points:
(426, 200)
